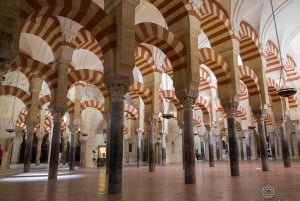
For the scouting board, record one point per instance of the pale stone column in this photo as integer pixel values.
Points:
(57, 118)
(74, 131)
(83, 142)
(28, 149)
(139, 133)
(16, 145)
(248, 145)
(273, 150)
(262, 138)
(284, 146)
(188, 139)
(230, 109)
(163, 148)
(40, 135)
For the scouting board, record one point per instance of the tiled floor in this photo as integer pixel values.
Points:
(165, 184)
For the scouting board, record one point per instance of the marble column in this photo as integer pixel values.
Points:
(210, 149)
(117, 91)
(83, 142)
(242, 148)
(284, 146)
(233, 150)
(163, 148)
(139, 133)
(38, 149)
(188, 140)
(151, 143)
(297, 129)
(28, 149)
(262, 139)
(74, 131)
(57, 118)
(248, 147)
(273, 149)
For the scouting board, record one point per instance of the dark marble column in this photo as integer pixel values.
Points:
(210, 149)
(263, 141)
(297, 129)
(218, 148)
(151, 144)
(116, 136)
(242, 148)
(188, 140)
(74, 130)
(233, 150)
(83, 142)
(28, 149)
(163, 148)
(139, 133)
(273, 150)
(57, 118)
(248, 147)
(284, 147)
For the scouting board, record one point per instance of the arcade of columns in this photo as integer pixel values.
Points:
(218, 103)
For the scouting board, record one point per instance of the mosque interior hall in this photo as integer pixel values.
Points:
(149, 100)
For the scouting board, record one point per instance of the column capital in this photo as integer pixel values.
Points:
(163, 133)
(139, 131)
(187, 102)
(118, 86)
(31, 126)
(230, 108)
(73, 128)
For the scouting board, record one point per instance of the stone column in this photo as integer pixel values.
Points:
(163, 148)
(57, 118)
(16, 145)
(188, 140)
(284, 146)
(74, 130)
(28, 149)
(139, 133)
(210, 148)
(248, 146)
(117, 91)
(273, 150)
(38, 149)
(230, 109)
(151, 143)
(262, 139)
(297, 129)
(83, 142)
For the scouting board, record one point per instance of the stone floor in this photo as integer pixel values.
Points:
(165, 184)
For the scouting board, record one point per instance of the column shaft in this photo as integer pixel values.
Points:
(163, 150)
(248, 147)
(55, 141)
(139, 149)
(38, 151)
(263, 146)
(151, 145)
(72, 152)
(233, 150)
(285, 147)
(210, 150)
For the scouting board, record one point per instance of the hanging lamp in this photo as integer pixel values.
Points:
(169, 114)
(283, 90)
(11, 124)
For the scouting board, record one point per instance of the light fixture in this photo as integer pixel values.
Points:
(283, 90)
(169, 112)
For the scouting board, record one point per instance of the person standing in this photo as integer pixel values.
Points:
(1, 154)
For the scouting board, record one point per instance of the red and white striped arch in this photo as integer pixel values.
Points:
(268, 119)
(85, 40)
(170, 95)
(293, 102)
(48, 29)
(30, 68)
(139, 89)
(248, 76)
(92, 103)
(273, 88)
(249, 45)
(17, 92)
(165, 40)
(197, 120)
(43, 100)
(143, 60)
(272, 58)
(96, 21)
(204, 83)
(290, 68)
(167, 67)
(87, 75)
(241, 113)
(243, 91)
(215, 22)
(217, 65)
(172, 11)
(203, 104)
(132, 111)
